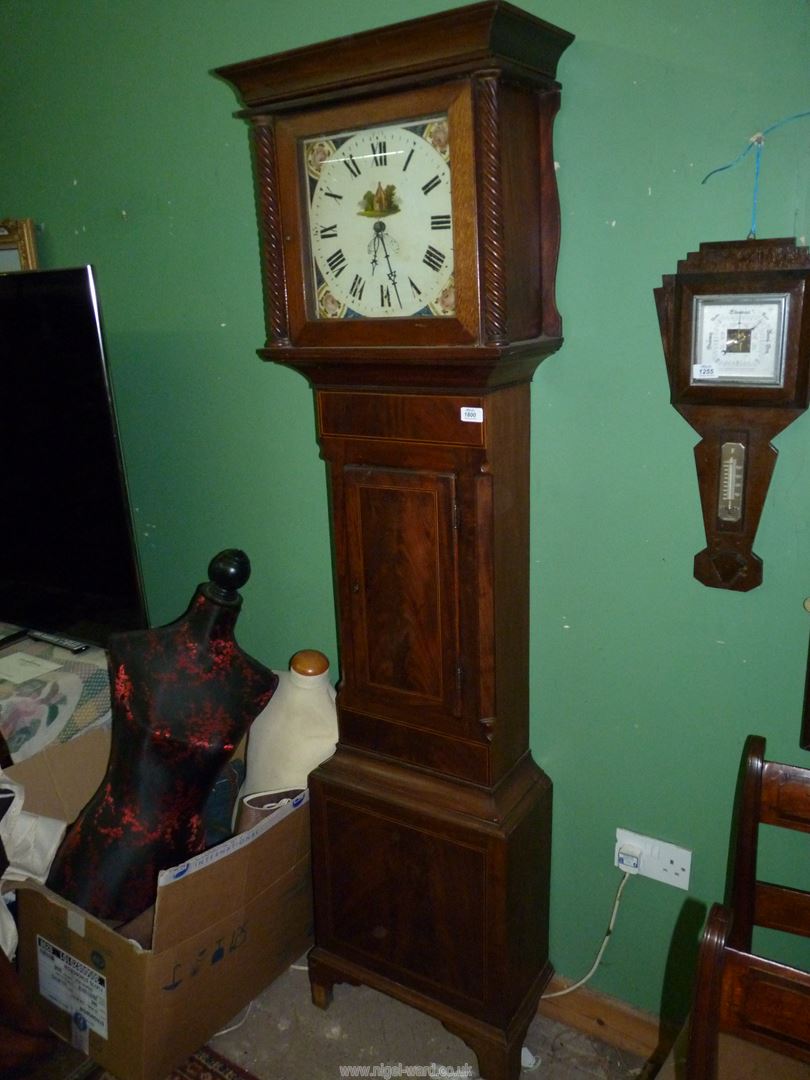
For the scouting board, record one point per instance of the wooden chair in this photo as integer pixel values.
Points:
(737, 991)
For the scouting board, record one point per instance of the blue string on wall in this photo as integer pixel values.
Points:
(756, 143)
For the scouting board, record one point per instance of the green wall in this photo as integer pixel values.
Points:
(122, 146)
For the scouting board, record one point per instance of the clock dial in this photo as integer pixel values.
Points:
(381, 221)
(739, 340)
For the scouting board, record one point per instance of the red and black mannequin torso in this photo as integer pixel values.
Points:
(183, 696)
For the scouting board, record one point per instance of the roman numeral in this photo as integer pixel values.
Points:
(407, 160)
(337, 262)
(379, 152)
(332, 194)
(431, 184)
(328, 232)
(352, 165)
(433, 258)
(417, 292)
(357, 287)
(440, 221)
(385, 296)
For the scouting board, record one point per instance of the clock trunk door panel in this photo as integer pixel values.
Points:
(428, 510)
(403, 588)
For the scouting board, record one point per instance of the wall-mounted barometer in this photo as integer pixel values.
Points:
(735, 327)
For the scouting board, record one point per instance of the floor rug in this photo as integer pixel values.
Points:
(207, 1064)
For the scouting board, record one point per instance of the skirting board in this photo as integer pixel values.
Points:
(605, 1018)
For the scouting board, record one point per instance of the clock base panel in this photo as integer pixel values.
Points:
(435, 892)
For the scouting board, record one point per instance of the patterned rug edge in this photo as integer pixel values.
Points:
(206, 1064)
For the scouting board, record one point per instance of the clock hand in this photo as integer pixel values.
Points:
(379, 229)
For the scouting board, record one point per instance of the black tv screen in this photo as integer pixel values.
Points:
(68, 559)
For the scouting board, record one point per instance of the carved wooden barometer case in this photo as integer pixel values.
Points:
(409, 227)
(735, 326)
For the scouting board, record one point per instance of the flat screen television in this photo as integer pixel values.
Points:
(68, 558)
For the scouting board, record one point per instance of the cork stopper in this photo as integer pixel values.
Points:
(309, 662)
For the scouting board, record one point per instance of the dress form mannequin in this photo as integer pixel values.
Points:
(183, 696)
(296, 731)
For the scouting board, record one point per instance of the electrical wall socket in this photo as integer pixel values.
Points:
(651, 858)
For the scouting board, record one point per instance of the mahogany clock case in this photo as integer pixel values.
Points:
(431, 824)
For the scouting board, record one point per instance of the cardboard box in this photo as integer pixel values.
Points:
(226, 924)
(62, 777)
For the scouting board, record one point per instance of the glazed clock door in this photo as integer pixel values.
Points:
(402, 576)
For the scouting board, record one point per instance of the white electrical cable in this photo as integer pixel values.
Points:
(602, 947)
(238, 1022)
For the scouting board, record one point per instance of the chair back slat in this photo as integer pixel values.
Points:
(779, 907)
(785, 796)
(766, 1002)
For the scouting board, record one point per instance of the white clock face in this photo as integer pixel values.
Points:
(739, 340)
(381, 221)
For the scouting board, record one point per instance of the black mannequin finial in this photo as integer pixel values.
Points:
(228, 571)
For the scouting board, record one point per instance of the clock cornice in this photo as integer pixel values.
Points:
(492, 35)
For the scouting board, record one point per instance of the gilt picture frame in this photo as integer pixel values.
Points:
(17, 244)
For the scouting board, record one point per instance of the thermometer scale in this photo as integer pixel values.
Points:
(732, 476)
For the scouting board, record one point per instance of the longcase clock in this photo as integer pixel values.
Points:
(409, 226)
